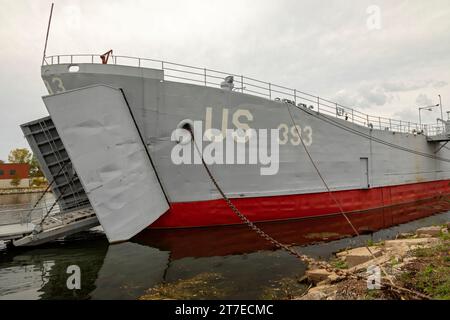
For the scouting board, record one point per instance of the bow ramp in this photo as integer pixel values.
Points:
(106, 148)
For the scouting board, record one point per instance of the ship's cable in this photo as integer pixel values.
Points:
(303, 258)
(250, 224)
(370, 137)
(355, 230)
(48, 187)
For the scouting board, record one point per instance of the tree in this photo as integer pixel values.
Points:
(20, 156)
(15, 181)
(2, 162)
(35, 170)
(25, 156)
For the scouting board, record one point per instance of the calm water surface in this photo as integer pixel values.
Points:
(225, 262)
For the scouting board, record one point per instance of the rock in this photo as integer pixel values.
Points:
(320, 293)
(317, 275)
(357, 256)
(430, 231)
(448, 225)
(333, 277)
(405, 235)
(408, 242)
(409, 260)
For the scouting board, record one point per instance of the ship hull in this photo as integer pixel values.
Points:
(364, 168)
(291, 207)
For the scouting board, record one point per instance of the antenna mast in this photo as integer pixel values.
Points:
(48, 31)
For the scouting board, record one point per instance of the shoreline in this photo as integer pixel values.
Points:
(8, 191)
(417, 263)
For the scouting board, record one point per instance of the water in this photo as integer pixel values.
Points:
(216, 263)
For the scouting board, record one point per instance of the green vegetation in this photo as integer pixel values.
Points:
(372, 295)
(202, 286)
(23, 155)
(286, 288)
(430, 273)
(15, 181)
(394, 261)
(339, 264)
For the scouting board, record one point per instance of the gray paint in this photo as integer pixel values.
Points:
(48, 148)
(160, 105)
(109, 157)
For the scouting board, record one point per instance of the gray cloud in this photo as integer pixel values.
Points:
(423, 100)
(321, 47)
(364, 97)
(440, 84)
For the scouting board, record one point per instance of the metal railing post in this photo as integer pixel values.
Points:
(242, 83)
(379, 122)
(390, 124)
(295, 96)
(270, 91)
(353, 117)
(205, 75)
(318, 104)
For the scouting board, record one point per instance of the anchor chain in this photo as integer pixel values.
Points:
(309, 260)
(258, 230)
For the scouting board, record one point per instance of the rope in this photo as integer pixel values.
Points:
(288, 249)
(364, 135)
(56, 200)
(48, 187)
(255, 228)
(329, 191)
(392, 284)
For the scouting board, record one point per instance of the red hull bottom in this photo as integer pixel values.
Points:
(287, 207)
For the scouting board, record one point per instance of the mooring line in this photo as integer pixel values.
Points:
(290, 250)
(342, 210)
(252, 226)
(330, 193)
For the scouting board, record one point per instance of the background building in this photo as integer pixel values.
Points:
(14, 172)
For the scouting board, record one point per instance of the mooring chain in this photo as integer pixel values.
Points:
(303, 258)
(391, 283)
(258, 230)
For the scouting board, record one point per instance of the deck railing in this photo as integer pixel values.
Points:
(213, 78)
(35, 213)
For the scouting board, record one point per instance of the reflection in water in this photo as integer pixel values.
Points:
(225, 262)
(231, 240)
(41, 273)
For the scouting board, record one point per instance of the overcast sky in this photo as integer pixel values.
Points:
(329, 48)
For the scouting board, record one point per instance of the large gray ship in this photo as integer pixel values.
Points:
(115, 120)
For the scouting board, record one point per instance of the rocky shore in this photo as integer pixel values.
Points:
(417, 263)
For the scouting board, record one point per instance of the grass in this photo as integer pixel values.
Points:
(430, 273)
(339, 264)
(202, 286)
(394, 261)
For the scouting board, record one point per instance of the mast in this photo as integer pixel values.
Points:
(48, 31)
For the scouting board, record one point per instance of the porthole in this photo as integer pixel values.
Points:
(74, 68)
